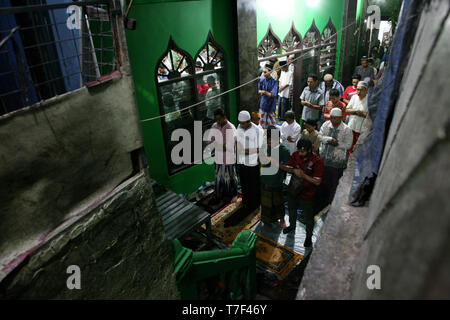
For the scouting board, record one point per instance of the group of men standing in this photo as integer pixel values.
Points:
(314, 152)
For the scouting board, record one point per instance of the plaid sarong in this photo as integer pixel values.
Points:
(267, 119)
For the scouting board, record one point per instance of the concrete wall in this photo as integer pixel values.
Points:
(59, 156)
(119, 246)
(408, 227)
(248, 57)
(405, 230)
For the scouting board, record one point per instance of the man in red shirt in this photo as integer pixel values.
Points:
(334, 102)
(350, 91)
(307, 166)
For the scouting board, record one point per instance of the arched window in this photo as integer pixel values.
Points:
(310, 64)
(269, 45)
(210, 77)
(292, 40)
(176, 91)
(312, 36)
(328, 48)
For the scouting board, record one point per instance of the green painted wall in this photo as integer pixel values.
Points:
(188, 22)
(281, 13)
(359, 9)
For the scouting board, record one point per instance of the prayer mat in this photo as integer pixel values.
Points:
(275, 257)
(228, 234)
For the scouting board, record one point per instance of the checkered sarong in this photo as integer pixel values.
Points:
(267, 119)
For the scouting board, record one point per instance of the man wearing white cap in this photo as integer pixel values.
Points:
(329, 83)
(336, 138)
(248, 143)
(357, 110)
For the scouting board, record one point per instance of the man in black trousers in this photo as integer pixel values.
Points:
(248, 143)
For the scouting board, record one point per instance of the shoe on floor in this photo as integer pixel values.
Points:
(307, 243)
(288, 229)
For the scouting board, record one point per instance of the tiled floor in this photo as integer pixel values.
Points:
(272, 286)
(293, 240)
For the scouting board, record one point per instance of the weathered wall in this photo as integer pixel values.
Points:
(248, 57)
(71, 195)
(59, 156)
(405, 230)
(349, 42)
(408, 229)
(119, 246)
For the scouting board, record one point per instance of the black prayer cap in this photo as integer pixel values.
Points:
(304, 145)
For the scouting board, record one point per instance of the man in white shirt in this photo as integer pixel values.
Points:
(357, 110)
(222, 139)
(248, 143)
(336, 138)
(284, 88)
(290, 132)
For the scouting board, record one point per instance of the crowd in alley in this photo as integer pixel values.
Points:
(276, 156)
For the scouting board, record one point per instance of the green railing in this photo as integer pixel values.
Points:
(233, 270)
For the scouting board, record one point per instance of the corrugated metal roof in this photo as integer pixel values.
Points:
(179, 216)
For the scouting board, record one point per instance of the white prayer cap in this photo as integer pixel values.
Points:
(363, 84)
(336, 112)
(328, 77)
(244, 116)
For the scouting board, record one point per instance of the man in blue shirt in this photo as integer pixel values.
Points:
(312, 99)
(268, 90)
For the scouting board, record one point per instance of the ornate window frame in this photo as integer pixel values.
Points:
(175, 71)
(269, 44)
(289, 43)
(213, 66)
(328, 48)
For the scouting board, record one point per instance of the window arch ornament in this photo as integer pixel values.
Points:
(210, 57)
(293, 40)
(175, 83)
(312, 36)
(211, 80)
(328, 48)
(269, 44)
(174, 63)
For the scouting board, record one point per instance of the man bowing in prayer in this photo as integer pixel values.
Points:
(268, 90)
